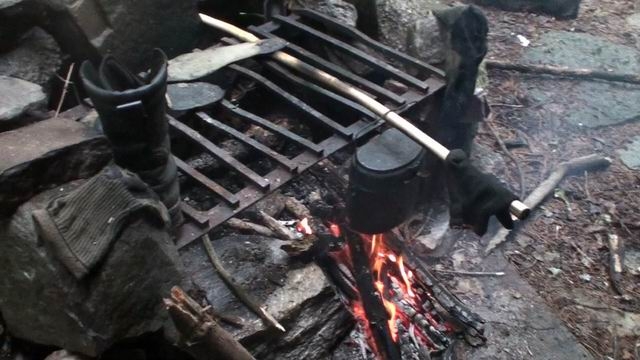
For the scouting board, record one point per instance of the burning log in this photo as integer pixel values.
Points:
(372, 304)
(202, 336)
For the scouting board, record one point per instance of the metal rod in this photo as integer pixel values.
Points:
(222, 155)
(218, 189)
(517, 208)
(277, 157)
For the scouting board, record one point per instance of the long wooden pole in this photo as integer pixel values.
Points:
(517, 208)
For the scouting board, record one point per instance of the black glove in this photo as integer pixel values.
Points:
(475, 196)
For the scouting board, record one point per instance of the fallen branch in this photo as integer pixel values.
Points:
(470, 273)
(279, 230)
(586, 74)
(242, 225)
(202, 336)
(578, 165)
(246, 299)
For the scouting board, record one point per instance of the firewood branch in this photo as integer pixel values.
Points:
(578, 165)
(202, 336)
(585, 74)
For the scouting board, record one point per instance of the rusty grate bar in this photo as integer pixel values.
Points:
(280, 159)
(279, 70)
(315, 60)
(257, 120)
(299, 104)
(359, 54)
(222, 155)
(356, 34)
(216, 188)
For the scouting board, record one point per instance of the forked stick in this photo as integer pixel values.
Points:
(517, 208)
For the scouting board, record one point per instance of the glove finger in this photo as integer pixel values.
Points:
(505, 219)
(480, 225)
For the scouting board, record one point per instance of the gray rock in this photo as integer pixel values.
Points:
(18, 97)
(339, 9)
(187, 96)
(36, 59)
(129, 30)
(395, 17)
(630, 156)
(44, 155)
(634, 21)
(579, 50)
(8, 3)
(299, 297)
(42, 302)
(424, 40)
(565, 9)
(594, 104)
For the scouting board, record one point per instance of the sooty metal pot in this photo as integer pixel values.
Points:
(384, 186)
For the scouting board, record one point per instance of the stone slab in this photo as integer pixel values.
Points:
(592, 104)
(519, 323)
(297, 295)
(579, 50)
(18, 97)
(630, 155)
(44, 155)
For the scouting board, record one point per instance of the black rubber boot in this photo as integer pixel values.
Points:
(133, 118)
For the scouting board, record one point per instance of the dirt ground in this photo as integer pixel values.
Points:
(573, 241)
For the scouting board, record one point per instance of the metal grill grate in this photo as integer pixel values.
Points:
(271, 79)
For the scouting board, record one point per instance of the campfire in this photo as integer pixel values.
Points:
(401, 310)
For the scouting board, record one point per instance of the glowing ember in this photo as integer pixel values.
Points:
(303, 227)
(335, 230)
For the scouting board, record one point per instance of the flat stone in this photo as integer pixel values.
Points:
(18, 97)
(303, 302)
(36, 59)
(634, 21)
(7, 3)
(630, 156)
(593, 104)
(44, 155)
(188, 96)
(579, 50)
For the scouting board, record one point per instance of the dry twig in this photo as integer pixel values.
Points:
(246, 299)
(64, 90)
(242, 225)
(563, 71)
(508, 153)
(279, 230)
(470, 273)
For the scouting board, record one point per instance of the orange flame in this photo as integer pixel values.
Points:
(405, 277)
(303, 227)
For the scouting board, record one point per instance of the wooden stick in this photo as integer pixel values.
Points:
(297, 208)
(564, 71)
(246, 299)
(518, 209)
(202, 336)
(280, 230)
(64, 90)
(470, 273)
(242, 225)
(578, 165)
(616, 261)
